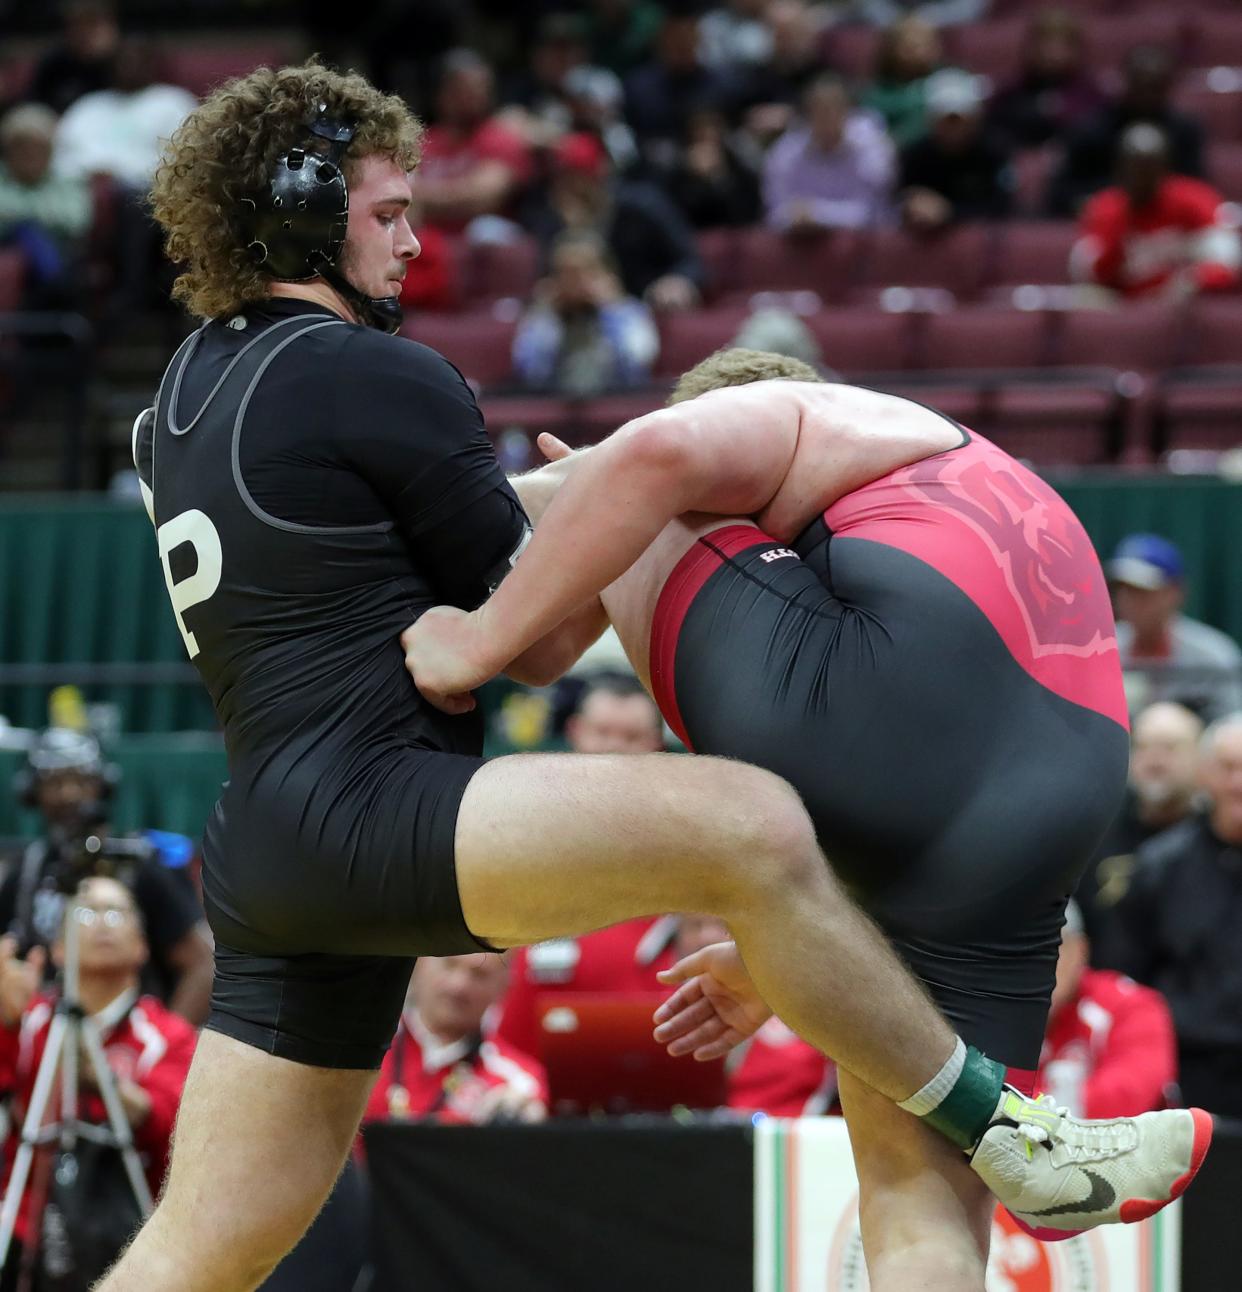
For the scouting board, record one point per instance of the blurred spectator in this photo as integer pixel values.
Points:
(473, 164)
(1163, 790)
(431, 281)
(1180, 921)
(536, 98)
(1092, 150)
(614, 715)
(622, 32)
(1179, 658)
(661, 94)
(68, 781)
(81, 62)
(147, 1047)
(582, 334)
(119, 131)
(1109, 1048)
(836, 172)
(957, 171)
(713, 182)
(648, 237)
(909, 52)
(940, 13)
(735, 36)
(44, 215)
(1055, 92)
(1155, 233)
(779, 331)
(443, 1064)
(772, 91)
(596, 102)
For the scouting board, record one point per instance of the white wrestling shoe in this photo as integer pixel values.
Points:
(1059, 1175)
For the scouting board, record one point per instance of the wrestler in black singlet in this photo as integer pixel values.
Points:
(315, 486)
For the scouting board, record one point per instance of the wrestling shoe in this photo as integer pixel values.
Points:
(1058, 1173)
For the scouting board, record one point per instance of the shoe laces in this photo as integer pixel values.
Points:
(1078, 1140)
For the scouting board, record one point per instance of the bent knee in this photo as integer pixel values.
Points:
(773, 838)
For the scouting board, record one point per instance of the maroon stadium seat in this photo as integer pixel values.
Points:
(479, 344)
(1224, 167)
(851, 50)
(491, 271)
(12, 275)
(1200, 410)
(862, 340)
(955, 259)
(200, 68)
(1033, 251)
(687, 337)
(1219, 110)
(718, 250)
(984, 338)
(590, 420)
(1060, 424)
(1215, 39)
(1215, 332)
(992, 49)
(766, 261)
(1110, 37)
(1032, 169)
(531, 413)
(1137, 335)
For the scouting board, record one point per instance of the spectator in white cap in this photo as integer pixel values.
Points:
(1172, 656)
(957, 171)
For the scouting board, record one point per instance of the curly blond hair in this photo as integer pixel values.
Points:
(226, 149)
(738, 367)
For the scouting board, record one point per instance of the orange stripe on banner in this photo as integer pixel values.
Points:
(793, 1209)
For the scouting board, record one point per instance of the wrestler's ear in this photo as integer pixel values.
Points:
(552, 448)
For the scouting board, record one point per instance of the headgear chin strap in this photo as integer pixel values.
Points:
(297, 227)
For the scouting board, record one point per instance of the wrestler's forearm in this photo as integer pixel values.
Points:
(616, 500)
(536, 489)
(552, 656)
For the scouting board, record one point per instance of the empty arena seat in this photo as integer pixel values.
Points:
(1111, 36)
(12, 276)
(863, 339)
(1224, 167)
(530, 413)
(1219, 109)
(984, 338)
(1139, 335)
(767, 261)
(478, 344)
(992, 49)
(200, 68)
(686, 337)
(1215, 331)
(491, 271)
(1080, 422)
(1033, 251)
(955, 259)
(1200, 409)
(589, 421)
(718, 250)
(1215, 38)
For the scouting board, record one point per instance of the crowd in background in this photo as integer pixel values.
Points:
(612, 132)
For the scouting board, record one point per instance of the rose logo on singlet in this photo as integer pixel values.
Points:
(1036, 541)
(1018, 1262)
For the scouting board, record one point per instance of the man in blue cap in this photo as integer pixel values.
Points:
(1177, 658)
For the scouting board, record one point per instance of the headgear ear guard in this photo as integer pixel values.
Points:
(297, 226)
(58, 749)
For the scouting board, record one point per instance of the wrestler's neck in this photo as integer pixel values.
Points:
(317, 292)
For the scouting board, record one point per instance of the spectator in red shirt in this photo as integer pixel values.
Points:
(431, 280)
(148, 1047)
(443, 1064)
(782, 1075)
(1110, 1049)
(1156, 233)
(473, 164)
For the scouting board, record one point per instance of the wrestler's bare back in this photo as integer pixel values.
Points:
(833, 438)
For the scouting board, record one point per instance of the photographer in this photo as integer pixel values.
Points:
(148, 1049)
(67, 780)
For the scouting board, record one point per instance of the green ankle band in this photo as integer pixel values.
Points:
(964, 1113)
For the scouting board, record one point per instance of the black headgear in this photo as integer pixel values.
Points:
(297, 227)
(60, 749)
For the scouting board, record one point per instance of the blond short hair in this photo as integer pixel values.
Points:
(226, 149)
(738, 367)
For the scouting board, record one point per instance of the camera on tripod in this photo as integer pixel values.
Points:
(94, 855)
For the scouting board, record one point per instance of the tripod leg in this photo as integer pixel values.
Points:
(31, 1126)
(105, 1079)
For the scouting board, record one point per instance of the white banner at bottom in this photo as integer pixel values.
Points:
(806, 1229)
